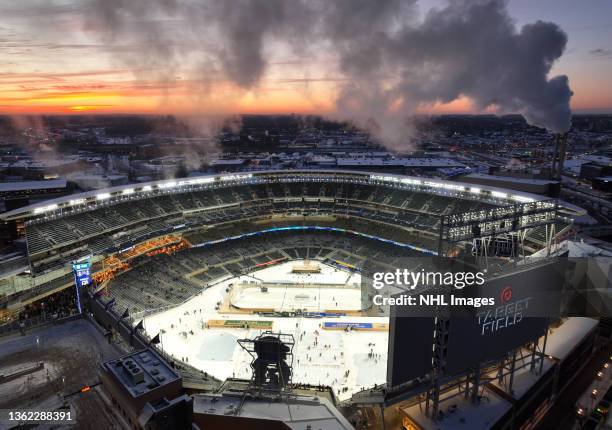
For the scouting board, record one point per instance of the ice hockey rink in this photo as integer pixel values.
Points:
(289, 298)
(346, 360)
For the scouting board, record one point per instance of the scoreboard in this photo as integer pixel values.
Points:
(82, 277)
(82, 273)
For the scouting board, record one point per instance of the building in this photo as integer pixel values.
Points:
(603, 183)
(297, 412)
(22, 193)
(535, 186)
(147, 391)
(568, 347)
(92, 181)
(398, 164)
(594, 169)
(228, 165)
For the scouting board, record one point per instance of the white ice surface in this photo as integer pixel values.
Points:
(217, 352)
(289, 298)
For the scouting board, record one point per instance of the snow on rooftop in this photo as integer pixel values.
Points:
(228, 162)
(563, 339)
(299, 412)
(460, 413)
(404, 162)
(599, 159)
(496, 178)
(32, 185)
(574, 249)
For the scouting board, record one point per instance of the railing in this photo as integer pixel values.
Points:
(34, 322)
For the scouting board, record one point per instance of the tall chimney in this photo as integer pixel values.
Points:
(553, 163)
(562, 152)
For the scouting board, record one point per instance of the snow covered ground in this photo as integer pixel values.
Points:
(347, 361)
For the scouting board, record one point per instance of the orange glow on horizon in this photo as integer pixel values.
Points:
(125, 96)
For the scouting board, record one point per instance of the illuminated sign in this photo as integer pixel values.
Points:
(82, 274)
(317, 228)
(82, 277)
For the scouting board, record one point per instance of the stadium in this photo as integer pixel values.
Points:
(198, 264)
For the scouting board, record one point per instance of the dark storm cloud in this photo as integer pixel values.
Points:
(391, 61)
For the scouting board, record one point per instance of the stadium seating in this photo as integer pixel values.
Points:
(125, 222)
(169, 280)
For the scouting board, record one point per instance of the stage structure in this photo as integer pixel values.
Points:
(272, 365)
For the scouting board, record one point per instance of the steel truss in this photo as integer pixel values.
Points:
(491, 232)
(471, 384)
(498, 229)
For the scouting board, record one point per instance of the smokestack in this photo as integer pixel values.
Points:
(553, 162)
(562, 152)
(558, 158)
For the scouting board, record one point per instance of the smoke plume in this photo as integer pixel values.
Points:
(391, 61)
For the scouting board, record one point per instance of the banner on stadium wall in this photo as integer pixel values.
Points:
(339, 325)
(255, 324)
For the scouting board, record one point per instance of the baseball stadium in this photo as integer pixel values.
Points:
(196, 265)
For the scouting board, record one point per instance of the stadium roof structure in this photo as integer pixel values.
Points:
(94, 199)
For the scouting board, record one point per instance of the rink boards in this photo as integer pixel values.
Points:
(248, 324)
(361, 326)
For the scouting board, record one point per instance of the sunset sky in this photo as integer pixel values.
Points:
(55, 59)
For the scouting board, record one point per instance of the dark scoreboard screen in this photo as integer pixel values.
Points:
(524, 302)
(410, 351)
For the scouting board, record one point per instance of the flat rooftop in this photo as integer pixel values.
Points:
(141, 372)
(31, 185)
(495, 178)
(567, 336)
(298, 412)
(399, 162)
(465, 416)
(460, 413)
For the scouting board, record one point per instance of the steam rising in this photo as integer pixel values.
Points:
(391, 61)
